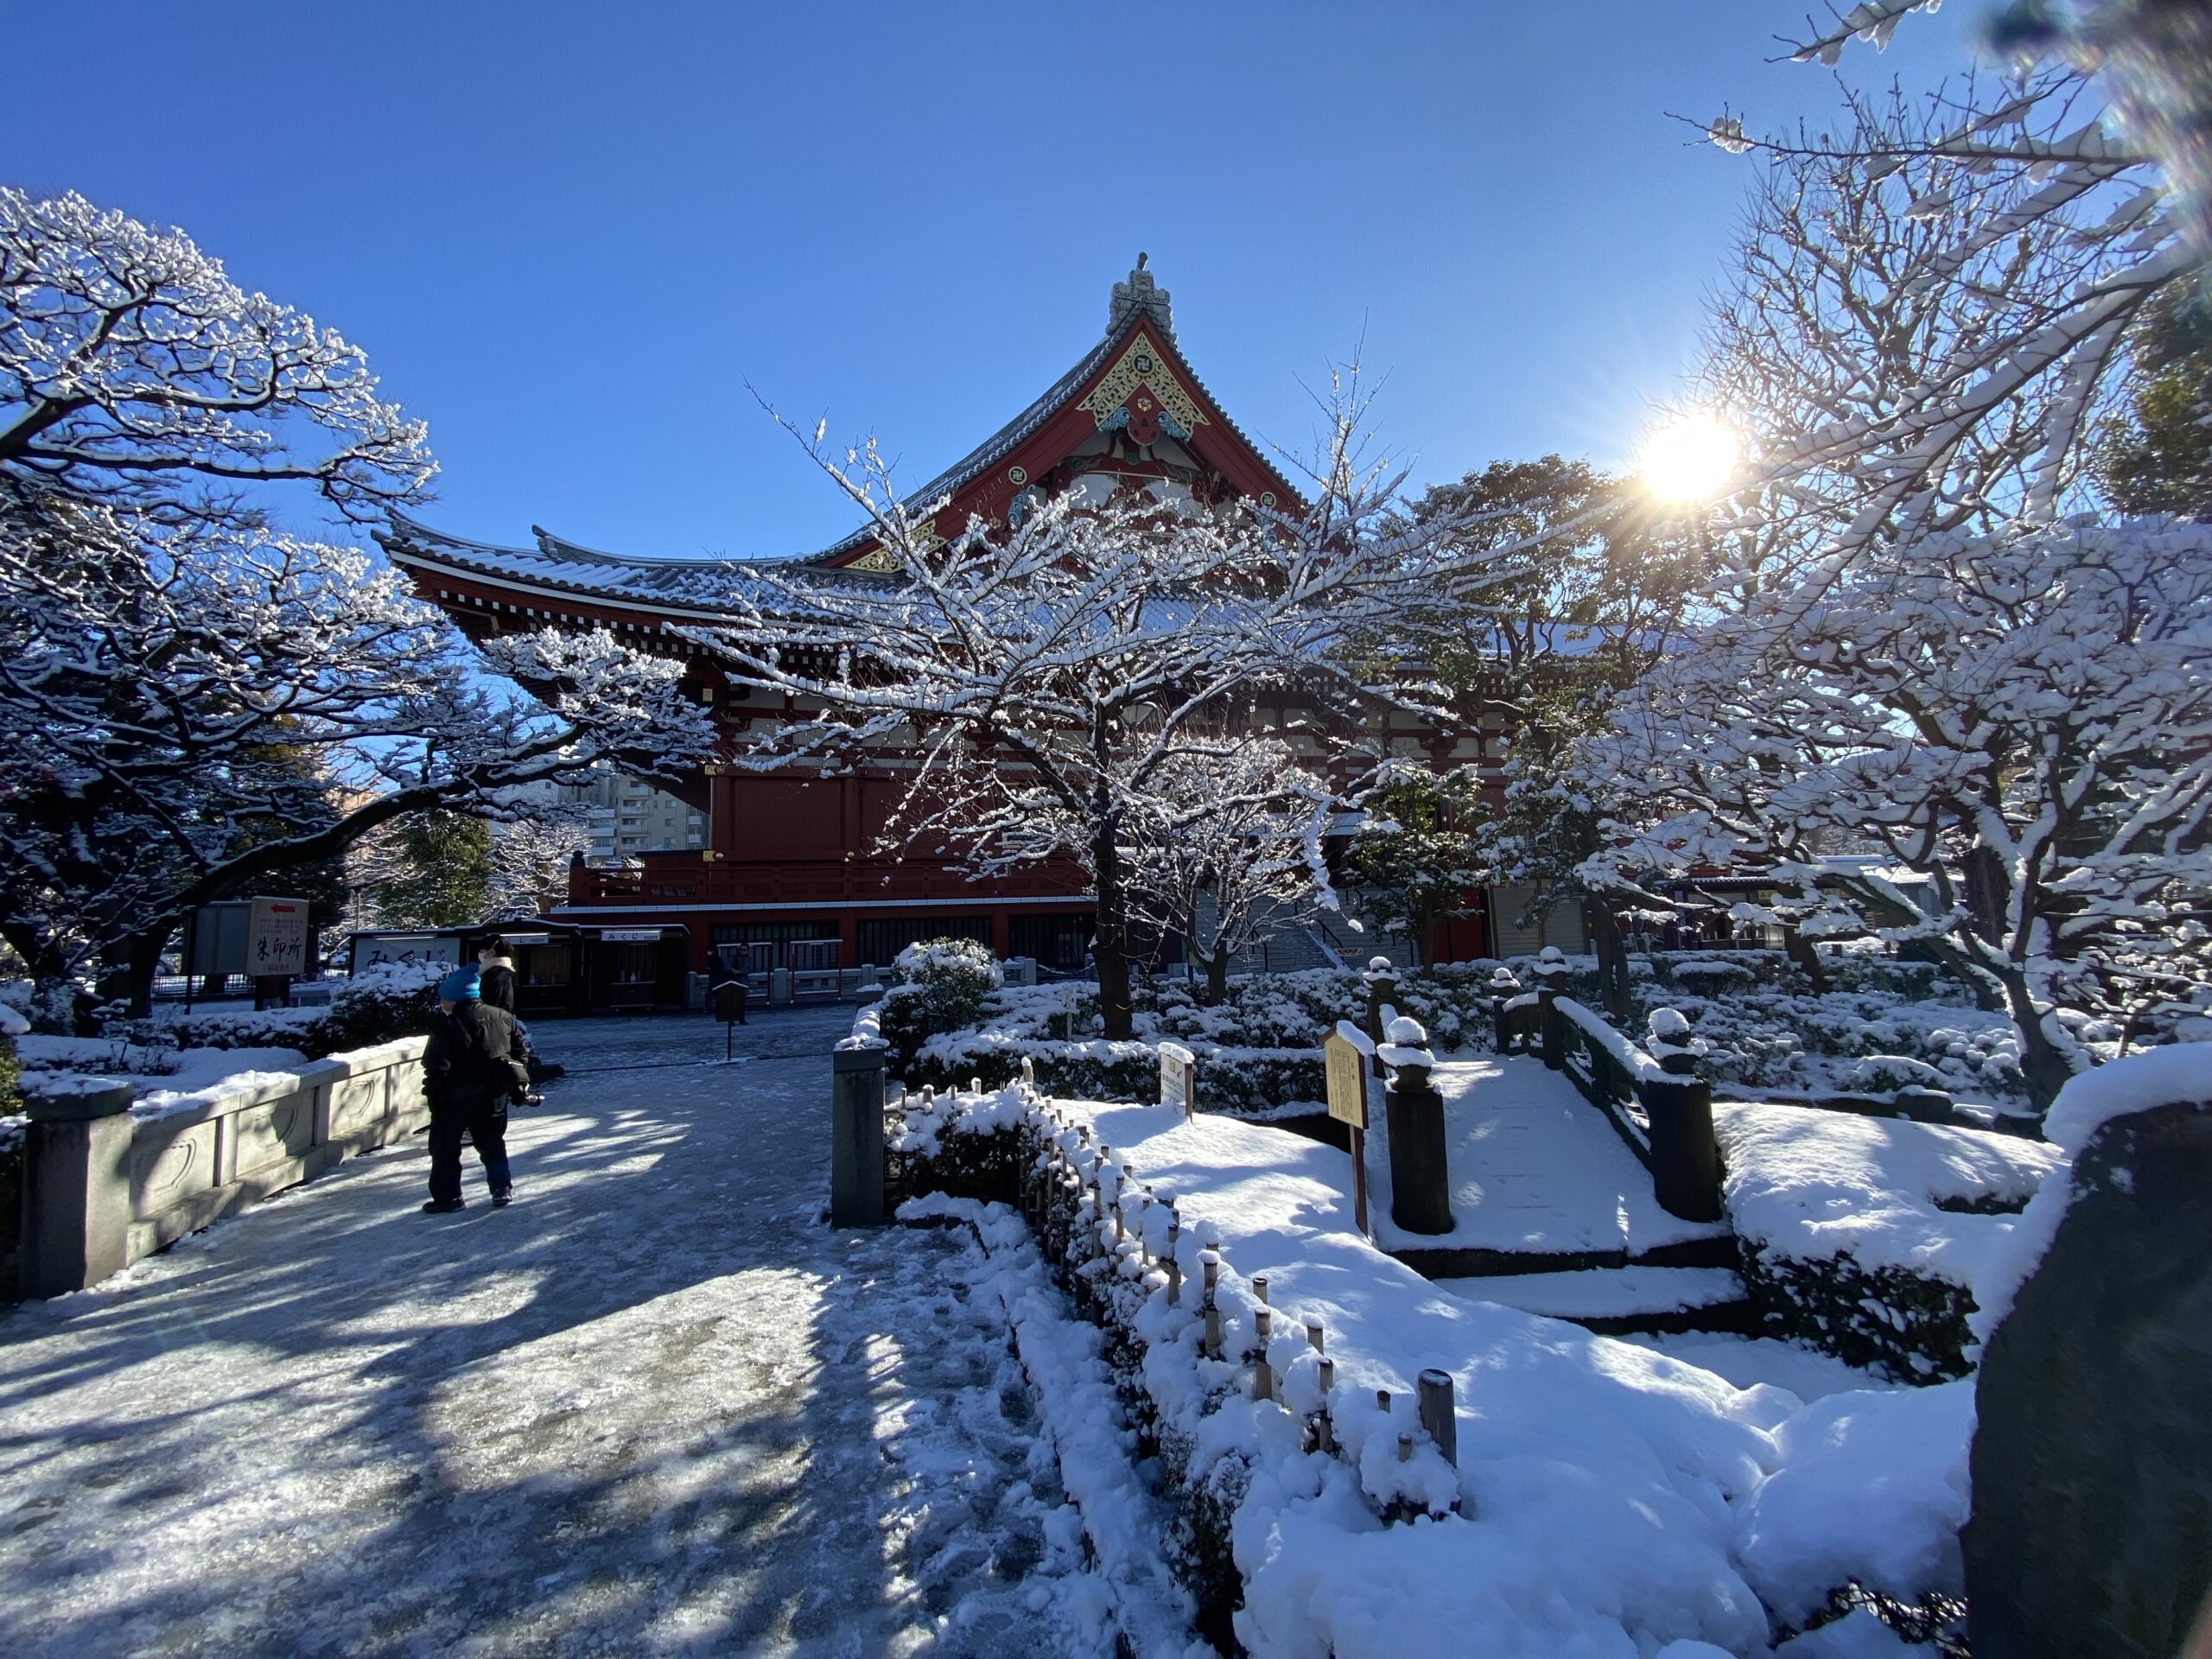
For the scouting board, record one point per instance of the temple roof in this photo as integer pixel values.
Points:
(1136, 362)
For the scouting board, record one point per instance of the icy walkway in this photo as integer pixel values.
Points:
(1534, 1170)
(657, 1407)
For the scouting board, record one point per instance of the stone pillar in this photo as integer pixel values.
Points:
(76, 1187)
(1421, 1180)
(780, 987)
(2092, 1460)
(857, 1137)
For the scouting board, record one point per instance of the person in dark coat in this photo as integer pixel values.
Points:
(469, 1076)
(496, 975)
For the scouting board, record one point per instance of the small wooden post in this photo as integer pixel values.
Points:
(1263, 1373)
(1313, 1331)
(1438, 1415)
(1259, 1288)
(1405, 1448)
(1174, 1261)
(1209, 1341)
(1382, 989)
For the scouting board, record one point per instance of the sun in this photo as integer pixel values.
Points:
(1690, 458)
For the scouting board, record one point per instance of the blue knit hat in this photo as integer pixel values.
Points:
(463, 985)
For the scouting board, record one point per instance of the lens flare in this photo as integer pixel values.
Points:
(1689, 458)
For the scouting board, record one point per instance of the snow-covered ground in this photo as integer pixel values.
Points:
(657, 1405)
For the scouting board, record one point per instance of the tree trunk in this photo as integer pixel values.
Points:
(1606, 939)
(1111, 955)
(1216, 975)
(2043, 1063)
(1799, 949)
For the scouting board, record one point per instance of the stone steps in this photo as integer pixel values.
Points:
(1622, 1300)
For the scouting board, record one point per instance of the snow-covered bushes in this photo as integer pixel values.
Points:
(937, 985)
(374, 1006)
(1865, 1237)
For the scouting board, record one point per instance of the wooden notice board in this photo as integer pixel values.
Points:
(1344, 1056)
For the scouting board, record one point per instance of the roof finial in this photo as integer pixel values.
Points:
(1141, 294)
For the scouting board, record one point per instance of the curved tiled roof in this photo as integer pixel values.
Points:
(558, 563)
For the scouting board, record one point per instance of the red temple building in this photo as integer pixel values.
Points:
(791, 870)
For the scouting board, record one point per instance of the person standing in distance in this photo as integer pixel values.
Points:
(469, 1074)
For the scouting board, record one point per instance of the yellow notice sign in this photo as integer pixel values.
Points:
(1347, 1069)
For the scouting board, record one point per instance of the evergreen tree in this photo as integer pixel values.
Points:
(440, 873)
(2157, 456)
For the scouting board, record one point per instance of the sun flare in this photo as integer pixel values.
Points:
(1690, 458)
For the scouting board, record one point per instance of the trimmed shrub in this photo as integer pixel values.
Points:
(1906, 1326)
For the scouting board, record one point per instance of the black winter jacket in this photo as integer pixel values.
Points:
(470, 1060)
(499, 987)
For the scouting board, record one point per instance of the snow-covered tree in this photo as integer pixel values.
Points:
(191, 703)
(1045, 681)
(1930, 653)
(186, 714)
(2023, 719)
(1932, 319)
(135, 374)
(1228, 835)
(530, 862)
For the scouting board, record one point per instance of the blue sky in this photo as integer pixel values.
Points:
(568, 235)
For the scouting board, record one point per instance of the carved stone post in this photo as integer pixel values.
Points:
(76, 1187)
(856, 1138)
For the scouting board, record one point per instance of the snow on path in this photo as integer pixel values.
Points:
(1533, 1167)
(657, 1407)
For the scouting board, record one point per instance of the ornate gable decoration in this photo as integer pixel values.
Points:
(1143, 369)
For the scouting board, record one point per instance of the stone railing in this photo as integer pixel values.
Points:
(104, 1186)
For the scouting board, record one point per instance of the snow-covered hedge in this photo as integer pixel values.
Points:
(377, 1006)
(1865, 1237)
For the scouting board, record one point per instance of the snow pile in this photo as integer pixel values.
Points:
(2174, 1076)
(1607, 1499)
(1812, 1184)
(1870, 1487)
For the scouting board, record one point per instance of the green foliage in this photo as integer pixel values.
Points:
(442, 874)
(2156, 457)
(11, 1071)
(1415, 865)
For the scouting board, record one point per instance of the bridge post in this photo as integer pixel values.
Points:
(857, 1137)
(1382, 990)
(1420, 1176)
(76, 1198)
(1685, 1152)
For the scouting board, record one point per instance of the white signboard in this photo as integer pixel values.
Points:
(1178, 1078)
(277, 936)
(630, 935)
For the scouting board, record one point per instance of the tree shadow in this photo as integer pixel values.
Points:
(656, 1404)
